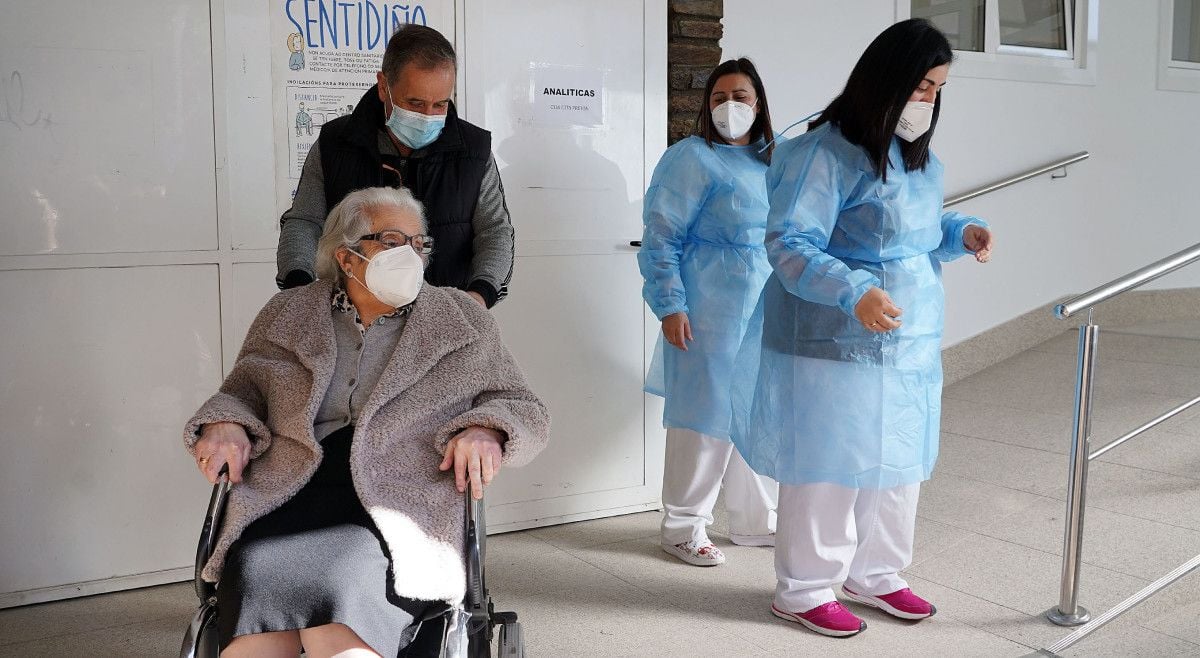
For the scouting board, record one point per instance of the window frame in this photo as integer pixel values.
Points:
(1173, 74)
(1075, 66)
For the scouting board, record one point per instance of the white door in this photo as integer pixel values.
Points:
(575, 319)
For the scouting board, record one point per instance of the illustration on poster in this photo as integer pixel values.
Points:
(359, 24)
(295, 44)
(309, 117)
(303, 121)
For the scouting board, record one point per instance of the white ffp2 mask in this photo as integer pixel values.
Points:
(914, 120)
(733, 119)
(394, 275)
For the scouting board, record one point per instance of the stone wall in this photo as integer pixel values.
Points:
(693, 51)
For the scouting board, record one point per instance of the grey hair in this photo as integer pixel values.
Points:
(423, 46)
(351, 219)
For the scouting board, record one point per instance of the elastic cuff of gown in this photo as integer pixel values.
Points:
(961, 230)
(670, 310)
(859, 291)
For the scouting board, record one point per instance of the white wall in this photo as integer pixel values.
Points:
(1133, 202)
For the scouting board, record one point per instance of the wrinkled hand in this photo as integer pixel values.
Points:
(877, 312)
(477, 297)
(475, 454)
(978, 240)
(220, 444)
(677, 330)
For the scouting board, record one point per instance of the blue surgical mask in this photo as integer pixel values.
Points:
(413, 129)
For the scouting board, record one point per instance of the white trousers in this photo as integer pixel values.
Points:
(696, 465)
(829, 534)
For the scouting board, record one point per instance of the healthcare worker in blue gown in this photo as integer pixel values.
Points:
(704, 265)
(845, 409)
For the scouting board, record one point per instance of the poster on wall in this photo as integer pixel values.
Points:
(324, 57)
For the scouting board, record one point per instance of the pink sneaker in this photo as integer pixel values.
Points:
(832, 619)
(902, 603)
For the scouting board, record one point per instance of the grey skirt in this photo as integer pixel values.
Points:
(317, 560)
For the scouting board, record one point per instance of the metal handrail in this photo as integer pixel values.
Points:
(1068, 612)
(1012, 180)
(1128, 282)
(1145, 428)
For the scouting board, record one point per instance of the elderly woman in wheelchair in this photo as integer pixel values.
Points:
(358, 412)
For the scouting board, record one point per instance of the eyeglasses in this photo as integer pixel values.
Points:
(422, 244)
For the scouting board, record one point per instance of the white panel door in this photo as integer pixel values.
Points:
(575, 318)
(101, 367)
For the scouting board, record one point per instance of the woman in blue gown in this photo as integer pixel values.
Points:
(704, 265)
(845, 407)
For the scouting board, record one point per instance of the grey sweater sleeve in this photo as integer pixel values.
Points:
(301, 225)
(494, 242)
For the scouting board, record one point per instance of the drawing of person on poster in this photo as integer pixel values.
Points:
(295, 44)
(303, 121)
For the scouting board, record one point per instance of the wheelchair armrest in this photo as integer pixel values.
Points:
(209, 532)
(476, 543)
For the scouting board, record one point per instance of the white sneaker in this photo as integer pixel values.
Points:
(700, 554)
(753, 540)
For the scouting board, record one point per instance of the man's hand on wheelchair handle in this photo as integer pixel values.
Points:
(220, 444)
(475, 454)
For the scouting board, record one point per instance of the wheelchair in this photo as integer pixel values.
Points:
(462, 631)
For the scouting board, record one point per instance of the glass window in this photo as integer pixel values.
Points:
(960, 20)
(1185, 32)
(1034, 23)
(1029, 40)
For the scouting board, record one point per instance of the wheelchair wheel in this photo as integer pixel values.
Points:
(512, 641)
(200, 640)
(479, 645)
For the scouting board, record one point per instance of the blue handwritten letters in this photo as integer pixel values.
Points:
(357, 24)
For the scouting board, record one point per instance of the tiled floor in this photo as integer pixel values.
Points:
(988, 542)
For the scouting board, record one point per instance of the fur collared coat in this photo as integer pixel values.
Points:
(450, 370)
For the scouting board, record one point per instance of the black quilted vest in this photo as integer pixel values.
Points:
(446, 179)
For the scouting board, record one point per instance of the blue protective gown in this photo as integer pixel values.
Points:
(819, 397)
(702, 253)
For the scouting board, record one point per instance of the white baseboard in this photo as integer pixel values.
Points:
(1039, 325)
(500, 528)
(103, 586)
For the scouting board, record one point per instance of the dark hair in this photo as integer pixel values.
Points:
(416, 44)
(762, 121)
(868, 109)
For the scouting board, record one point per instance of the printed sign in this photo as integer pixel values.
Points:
(325, 54)
(568, 95)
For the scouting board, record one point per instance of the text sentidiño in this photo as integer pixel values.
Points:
(356, 24)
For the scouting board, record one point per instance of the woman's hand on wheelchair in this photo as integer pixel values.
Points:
(220, 444)
(475, 455)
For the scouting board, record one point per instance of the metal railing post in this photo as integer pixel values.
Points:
(1069, 612)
